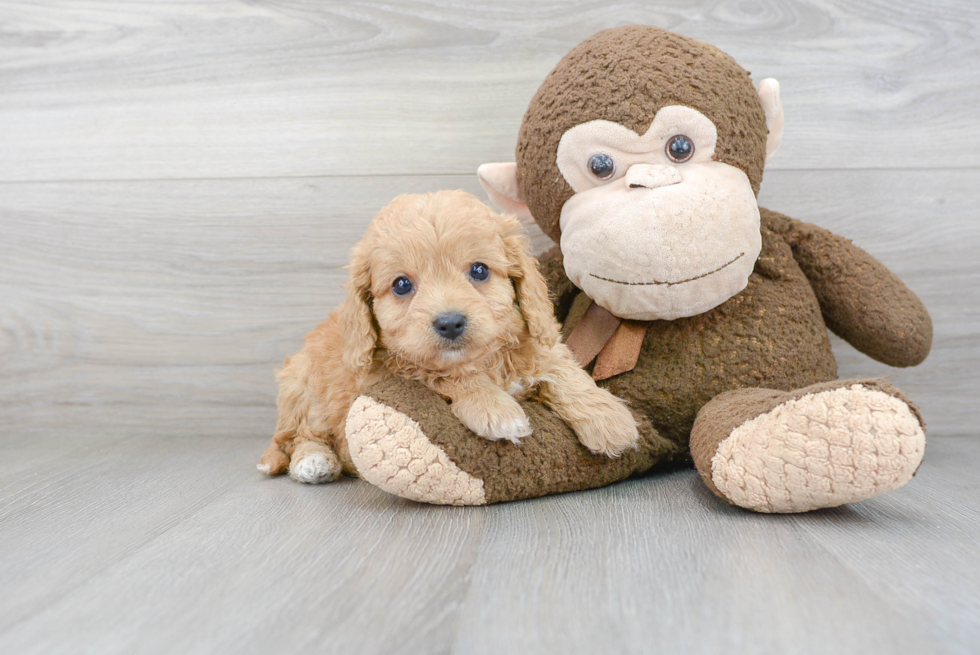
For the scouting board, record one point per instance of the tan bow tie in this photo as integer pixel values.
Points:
(613, 342)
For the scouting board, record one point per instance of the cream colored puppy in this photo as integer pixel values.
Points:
(442, 290)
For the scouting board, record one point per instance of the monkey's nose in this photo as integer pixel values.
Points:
(449, 325)
(651, 176)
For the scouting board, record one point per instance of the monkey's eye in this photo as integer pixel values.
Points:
(680, 149)
(402, 286)
(602, 166)
(479, 272)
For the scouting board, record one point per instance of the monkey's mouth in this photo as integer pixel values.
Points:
(670, 284)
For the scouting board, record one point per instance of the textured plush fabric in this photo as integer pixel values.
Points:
(769, 339)
(766, 340)
(862, 301)
(394, 454)
(719, 417)
(770, 335)
(825, 445)
(625, 75)
(550, 461)
(563, 293)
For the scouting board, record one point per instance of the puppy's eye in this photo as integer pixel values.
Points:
(602, 166)
(402, 286)
(680, 149)
(479, 272)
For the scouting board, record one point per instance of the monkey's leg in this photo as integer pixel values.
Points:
(404, 439)
(821, 446)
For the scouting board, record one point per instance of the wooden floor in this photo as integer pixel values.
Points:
(180, 183)
(177, 545)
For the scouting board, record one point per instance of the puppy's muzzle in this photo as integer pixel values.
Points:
(449, 325)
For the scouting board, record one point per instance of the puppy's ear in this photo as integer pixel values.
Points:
(359, 334)
(532, 290)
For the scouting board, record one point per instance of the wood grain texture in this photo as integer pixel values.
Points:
(944, 524)
(179, 186)
(163, 307)
(152, 90)
(67, 519)
(164, 545)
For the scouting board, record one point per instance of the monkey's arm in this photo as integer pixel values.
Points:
(560, 288)
(861, 300)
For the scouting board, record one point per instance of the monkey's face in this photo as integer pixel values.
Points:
(656, 229)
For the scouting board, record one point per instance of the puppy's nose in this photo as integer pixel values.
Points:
(449, 325)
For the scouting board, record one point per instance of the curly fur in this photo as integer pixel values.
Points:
(509, 350)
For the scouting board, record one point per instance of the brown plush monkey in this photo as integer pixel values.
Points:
(641, 155)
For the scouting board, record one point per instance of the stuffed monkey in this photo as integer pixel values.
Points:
(641, 156)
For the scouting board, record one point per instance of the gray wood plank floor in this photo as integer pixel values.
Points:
(177, 545)
(180, 183)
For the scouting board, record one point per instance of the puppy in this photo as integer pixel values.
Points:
(442, 290)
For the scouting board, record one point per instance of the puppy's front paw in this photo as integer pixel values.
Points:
(608, 429)
(511, 429)
(503, 419)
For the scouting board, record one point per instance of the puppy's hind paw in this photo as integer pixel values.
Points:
(314, 468)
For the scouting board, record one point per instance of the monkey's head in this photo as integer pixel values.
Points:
(641, 155)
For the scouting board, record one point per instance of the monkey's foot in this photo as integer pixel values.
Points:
(404, 439)
(822, 446)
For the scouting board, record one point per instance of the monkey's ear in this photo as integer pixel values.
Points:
(773, 106)
(500, 183)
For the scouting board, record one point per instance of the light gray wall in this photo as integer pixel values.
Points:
(180, 182)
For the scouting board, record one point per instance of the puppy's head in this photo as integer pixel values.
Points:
(440, 280)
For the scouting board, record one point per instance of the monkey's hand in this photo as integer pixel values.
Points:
(861, 300)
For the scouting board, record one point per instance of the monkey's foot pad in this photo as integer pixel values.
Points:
(820, 450)
(392, 453)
